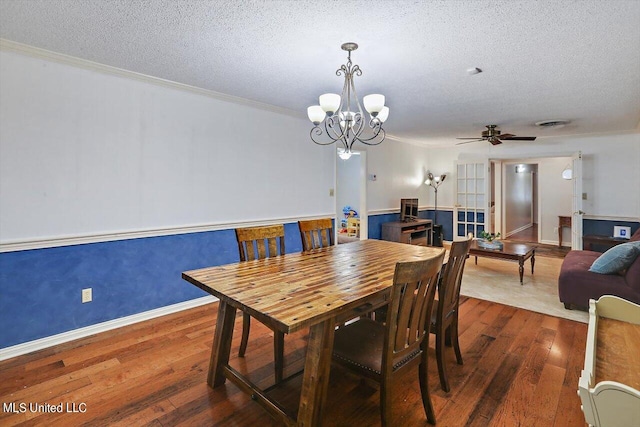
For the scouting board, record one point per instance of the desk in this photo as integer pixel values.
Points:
(316, 289)
(563, 221)
(417, 232)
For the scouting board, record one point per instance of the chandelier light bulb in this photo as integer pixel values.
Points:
(344, 154)
(373, 103)
(316, 114)
(330, 102)
(383, 115)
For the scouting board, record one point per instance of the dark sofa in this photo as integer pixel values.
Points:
(576, 284)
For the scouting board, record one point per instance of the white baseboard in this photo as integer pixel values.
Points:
(517, 230)
(39, 344)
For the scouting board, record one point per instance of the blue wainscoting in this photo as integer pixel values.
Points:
(40, 289)
(605, 227)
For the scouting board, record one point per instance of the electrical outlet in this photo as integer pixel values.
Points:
(584, 196)
(87, 295)
(331, 192)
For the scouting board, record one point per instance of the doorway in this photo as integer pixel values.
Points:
(351, 198)
(528, 196)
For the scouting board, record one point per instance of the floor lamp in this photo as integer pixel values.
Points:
(435, 181)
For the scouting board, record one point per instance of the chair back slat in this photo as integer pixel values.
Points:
(316, 233)
(414, 288)
(449, 289)
(251, 242)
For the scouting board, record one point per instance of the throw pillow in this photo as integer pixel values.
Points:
(617, 259)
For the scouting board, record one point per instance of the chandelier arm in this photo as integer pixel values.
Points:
(331, 126)
(378, 133)
(318, 131)
(358, 125)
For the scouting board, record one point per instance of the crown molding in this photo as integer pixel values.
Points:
(36, 52)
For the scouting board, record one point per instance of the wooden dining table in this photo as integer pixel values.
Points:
(318, 290)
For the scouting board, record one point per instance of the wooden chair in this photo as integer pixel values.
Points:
(378, 350)
(444, 319)
(257, 243)
(316, 233)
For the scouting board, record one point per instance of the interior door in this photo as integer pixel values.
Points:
(576, 203)
(471, 210)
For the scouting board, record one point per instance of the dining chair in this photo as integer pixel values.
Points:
(444, 318)
(378, 350)
(316, 233)
(257, 243)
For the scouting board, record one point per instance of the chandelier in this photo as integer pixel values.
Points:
(343, 118)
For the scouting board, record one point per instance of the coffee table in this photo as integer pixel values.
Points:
(519, 252)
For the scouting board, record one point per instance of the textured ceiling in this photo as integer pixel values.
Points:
(574, 60)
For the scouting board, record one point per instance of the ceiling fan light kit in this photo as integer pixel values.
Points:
(342, 115)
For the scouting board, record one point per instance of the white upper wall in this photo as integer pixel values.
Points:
(611, 168)
(84, 152)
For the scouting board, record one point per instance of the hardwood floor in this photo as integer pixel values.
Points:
(520, 368)
(528, 235)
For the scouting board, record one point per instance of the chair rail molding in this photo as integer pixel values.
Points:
(52, 242)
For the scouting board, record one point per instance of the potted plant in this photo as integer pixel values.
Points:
(489, 240)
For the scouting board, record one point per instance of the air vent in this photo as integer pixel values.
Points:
(552, 123)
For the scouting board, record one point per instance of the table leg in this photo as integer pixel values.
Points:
(521, 268)
(476, 260)
(559, 235)
(533, 260)
(317, 367)
(221, 344)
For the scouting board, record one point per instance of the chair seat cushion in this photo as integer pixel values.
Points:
(360, 344)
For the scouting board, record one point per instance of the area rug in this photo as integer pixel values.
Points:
(498, 281)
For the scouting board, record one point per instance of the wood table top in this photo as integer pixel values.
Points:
(296, 290)
(510, 248)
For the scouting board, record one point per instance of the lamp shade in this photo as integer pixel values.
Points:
(373, 103)
(330, 102)
(316, 114)
(383, 114)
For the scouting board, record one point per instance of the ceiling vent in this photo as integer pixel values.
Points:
(552, 123)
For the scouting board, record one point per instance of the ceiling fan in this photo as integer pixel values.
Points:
(494, 136)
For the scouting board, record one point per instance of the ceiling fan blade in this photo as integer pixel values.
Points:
(467, 142)
(495, 141)
(476, 138)
(506, 136)
(520, 138)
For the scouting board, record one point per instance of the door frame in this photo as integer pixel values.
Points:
(362, 208)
